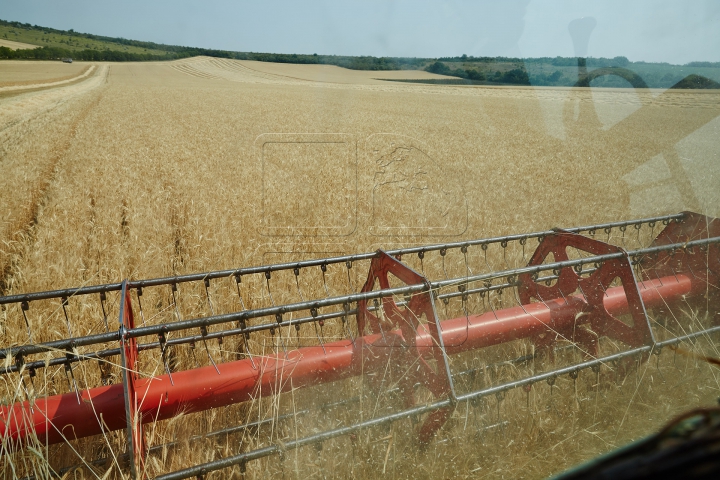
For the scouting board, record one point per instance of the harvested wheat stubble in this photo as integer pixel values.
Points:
(186, 166)
(15, 72)
(16, 45)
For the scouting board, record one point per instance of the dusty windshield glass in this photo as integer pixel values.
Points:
(348, 239)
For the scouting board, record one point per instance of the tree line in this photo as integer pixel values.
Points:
(473, 69)
(108, 55)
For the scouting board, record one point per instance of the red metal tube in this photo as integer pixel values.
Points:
(54, 419)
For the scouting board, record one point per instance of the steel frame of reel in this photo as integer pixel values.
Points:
(390, 333)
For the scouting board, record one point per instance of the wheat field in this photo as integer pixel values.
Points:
(144, 170)
(15, 45)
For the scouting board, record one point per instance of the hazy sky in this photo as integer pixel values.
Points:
(652, 30)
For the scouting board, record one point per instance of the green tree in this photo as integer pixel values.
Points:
(439, 68)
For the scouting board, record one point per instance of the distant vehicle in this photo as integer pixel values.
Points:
(67, 60)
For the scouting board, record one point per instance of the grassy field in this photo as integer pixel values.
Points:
(153, 169)
(53, 38)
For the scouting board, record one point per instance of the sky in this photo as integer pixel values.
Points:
(651, 30)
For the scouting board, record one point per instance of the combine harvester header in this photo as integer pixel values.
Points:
(578, 302)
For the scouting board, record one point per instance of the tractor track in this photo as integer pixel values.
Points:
(22, 232)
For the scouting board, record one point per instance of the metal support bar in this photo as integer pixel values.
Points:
(339, 300)
(411, 412)
(129, 352)
(200, 389)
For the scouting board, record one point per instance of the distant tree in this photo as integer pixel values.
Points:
(555, 76)
(439, 68)
(704, 64)
(474, 75)
(621, 61)
(516, 76)
(697, 82)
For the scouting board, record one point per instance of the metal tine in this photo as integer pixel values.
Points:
(380, 313)
(67, 320)
(528, 389)
(465, 296)
(323, 268)
(241, 322)
(173, 289)
(24, 307)
(27, 393)
(504, 245)
(674, 274)
(267, 283)
(203, 332)
(192, 352)
(598, 266)
(585, 297)
(272, 330)
(637, 227)
(687, 264)
(657, 275)
(105, 373)
(69, 374)
(296, 271)
(346, 306)
(560, 289)
(206, 282)
(443, 252)
(139, 293)
(19, 363)
(314, 313)
(484, 246)
(551, 382)
(162, 340)
(464, 302)
(346, 309)
(464, 251)
(488, 284)
(102, 305)
(636, 265)
(162, 337)
(349, 265)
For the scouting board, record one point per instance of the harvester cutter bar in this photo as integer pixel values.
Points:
(277, 449)
(202, 388)
(510, 274)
